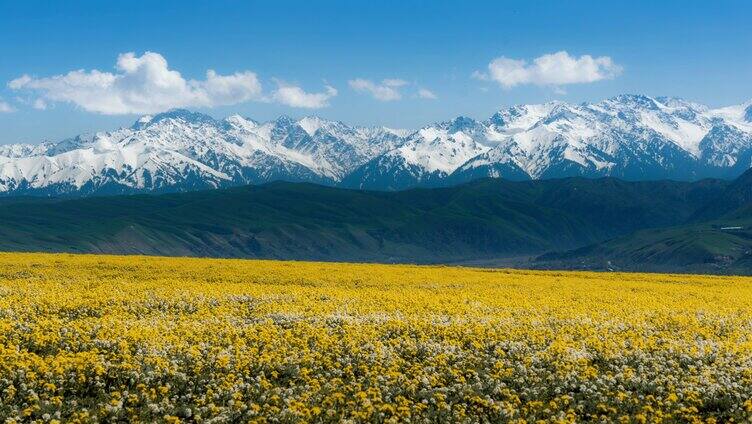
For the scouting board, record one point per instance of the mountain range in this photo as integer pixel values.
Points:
(570, 223)
(631, 137)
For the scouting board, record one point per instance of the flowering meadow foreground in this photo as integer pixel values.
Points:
(106, 338)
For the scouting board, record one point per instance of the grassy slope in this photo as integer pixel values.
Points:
(701, 245)
(487, 218)
(697, 248)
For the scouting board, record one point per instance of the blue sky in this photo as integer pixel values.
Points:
(365, 52)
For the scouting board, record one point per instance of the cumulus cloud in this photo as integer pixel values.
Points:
(141, 84)
(39, 104)
(556, 69)
(385, 91)
(292, 95)
(425, 93)
(5, 107)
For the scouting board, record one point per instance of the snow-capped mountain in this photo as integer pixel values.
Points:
(632, 137)
(426, 157)
(181, 150)
(629, 136)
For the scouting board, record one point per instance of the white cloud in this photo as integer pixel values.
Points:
(554, 69)
(425, 93)
(142, 84)
(386, 91)
(5, 107)
(394, 82)
(292, 95)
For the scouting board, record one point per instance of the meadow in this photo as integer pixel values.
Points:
(110, 338)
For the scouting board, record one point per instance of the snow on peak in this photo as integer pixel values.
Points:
(635, 101)
(241, 122)
(182, 115)
(284, 121)
(678, 103)
(399, 132)
(442, 147)
(522, 117)
(631, 136)
(311, 124)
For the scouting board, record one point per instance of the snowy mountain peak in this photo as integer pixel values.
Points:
(284, 121)
(398, 132)
(460, 124)
(629, 136)
(679, 103)
(142, 122)
(638, 101)
(184, 116)
(521, 117)
(238, 121)
(311, 124)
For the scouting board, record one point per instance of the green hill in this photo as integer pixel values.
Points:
(717, 238)
(485, 219)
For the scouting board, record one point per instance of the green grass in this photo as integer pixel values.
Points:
(483, 219)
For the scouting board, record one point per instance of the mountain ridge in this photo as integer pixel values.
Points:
(633, 137)
(482, 219)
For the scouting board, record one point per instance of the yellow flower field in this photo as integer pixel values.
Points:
(107, 338)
